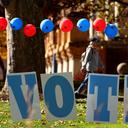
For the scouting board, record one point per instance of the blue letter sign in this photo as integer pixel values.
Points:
(102, 98)
(58, 95)
(24, 98)
(126, 99)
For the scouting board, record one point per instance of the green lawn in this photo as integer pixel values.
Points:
(80, 122)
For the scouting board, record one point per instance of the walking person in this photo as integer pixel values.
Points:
(91, 63)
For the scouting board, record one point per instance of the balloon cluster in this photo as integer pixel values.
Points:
(66, 25)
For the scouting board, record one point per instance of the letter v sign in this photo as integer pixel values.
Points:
(24, 98)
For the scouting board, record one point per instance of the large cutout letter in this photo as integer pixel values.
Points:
(102, 98)
(58, 95)
(126, 99)
(24, 98)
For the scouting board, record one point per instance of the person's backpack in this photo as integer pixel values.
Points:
(84, 54)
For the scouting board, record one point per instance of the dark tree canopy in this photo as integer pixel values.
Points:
(5, 2)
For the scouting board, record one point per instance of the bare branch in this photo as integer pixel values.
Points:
(124, 2)
(5, 2)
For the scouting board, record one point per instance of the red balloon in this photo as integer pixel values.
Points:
(3, 23)
(66, 25)
(29, 30)
(99, 25)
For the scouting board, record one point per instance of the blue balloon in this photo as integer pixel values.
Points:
(46, 26)
(16, 23)
(111, 30)
(83, 25)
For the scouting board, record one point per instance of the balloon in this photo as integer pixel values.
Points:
(66, 25)
(99, 25)
(83, 25)
(16, 23)
(111, 30)
(46, 26)
(3, 23)
(29, 30)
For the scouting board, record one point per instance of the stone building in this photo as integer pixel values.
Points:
(63, 50)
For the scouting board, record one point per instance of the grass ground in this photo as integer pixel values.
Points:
(80, 122)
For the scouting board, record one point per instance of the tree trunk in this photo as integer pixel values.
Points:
(25, 54)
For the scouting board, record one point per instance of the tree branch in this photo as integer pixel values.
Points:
(5, 2)
(121, 2)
